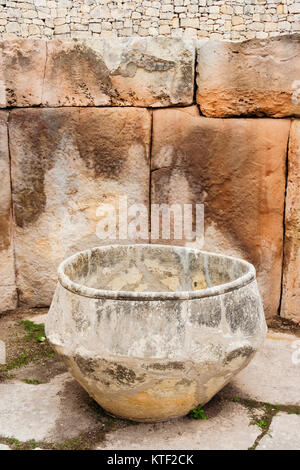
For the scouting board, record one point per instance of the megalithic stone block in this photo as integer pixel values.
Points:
(122, 72)
(8, 294)
(290, 305)
(65, 163)
(236, 168)
(249, 78)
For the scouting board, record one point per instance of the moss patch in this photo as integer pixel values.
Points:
(26, 346)
(84, 441)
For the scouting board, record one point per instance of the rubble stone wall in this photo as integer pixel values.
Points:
(158, 120)
(217, 19)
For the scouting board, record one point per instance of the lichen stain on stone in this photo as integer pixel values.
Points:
(242, 313)
(92, 71)
(244, 351)
(15, 60)
(11, 97)
(209, 315)
(79, 268)
(39, 131)
(86, 365)
(166, 366)
(81, 320)
(215, 182)
(103, 141)
(123, 375)
(132, 60)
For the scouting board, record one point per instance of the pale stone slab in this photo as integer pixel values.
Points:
(290, 305)
(22, 66)
(120, 71)
(54, 412)
(4, 447)
(273, 375)
(65, 163)
(28, 411)
(228, 429)
(284, 433)
(38, 318)
(8, 296)
(236, 168)
(255, 77)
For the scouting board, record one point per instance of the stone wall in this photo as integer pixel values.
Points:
(217, 19)
(84, 123)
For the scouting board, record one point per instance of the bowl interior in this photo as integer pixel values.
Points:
(152, 268)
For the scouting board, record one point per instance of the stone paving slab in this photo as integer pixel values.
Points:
(230, 429)
(4, 447)
(271, 376)
(24, 410)
(38, 317)
(56, 411)
(284, 433)
(50, 412)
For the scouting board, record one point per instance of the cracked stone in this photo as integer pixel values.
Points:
(65, 163)
(284, 433)
(8, 295)
(236, 168)
(228, 427)
(120, 71)
(271, 376)
(52, 412)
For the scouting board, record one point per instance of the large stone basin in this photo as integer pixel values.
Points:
(151, 331)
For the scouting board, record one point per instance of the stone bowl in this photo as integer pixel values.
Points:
(151, 331)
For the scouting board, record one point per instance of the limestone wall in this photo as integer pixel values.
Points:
(156, 120)
(217, 19)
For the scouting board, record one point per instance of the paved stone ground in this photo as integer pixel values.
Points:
(259, 409)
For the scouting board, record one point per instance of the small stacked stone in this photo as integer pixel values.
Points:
(216, 19)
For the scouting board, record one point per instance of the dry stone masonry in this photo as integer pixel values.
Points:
(85, 122)
(217, 19)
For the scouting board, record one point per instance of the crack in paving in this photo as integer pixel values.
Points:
(269, 412)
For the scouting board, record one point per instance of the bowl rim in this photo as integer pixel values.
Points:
(91, 292)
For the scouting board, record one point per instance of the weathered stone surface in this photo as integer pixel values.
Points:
(65, 162)
(54, 411)
(229, 425)
(273, 374)
(22, 66)
(228, 428)
(254, 77)
(4, 447)
(230, 20)
(236, 167)
(120, 71)
(284, 433)
(290, 306)
(182, 343)
(8, 296)
(22, 403)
